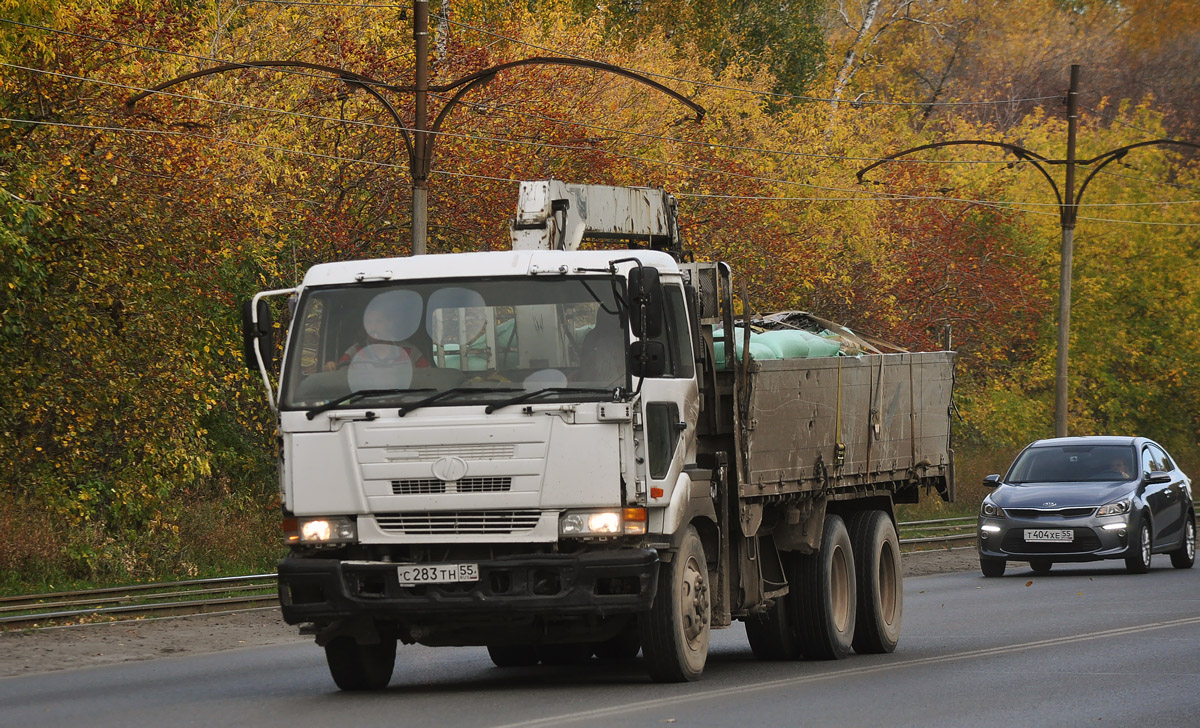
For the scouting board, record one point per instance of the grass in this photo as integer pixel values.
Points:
(198, 539)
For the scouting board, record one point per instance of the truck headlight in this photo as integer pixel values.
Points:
(610, 522)
(1114, 509)
(320, 530)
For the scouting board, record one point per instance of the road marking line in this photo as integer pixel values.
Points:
(854, 671)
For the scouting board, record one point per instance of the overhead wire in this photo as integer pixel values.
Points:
(1015, 207)
(755, 92)
(539, 145)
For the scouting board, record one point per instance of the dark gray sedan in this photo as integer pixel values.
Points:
(1085, 499)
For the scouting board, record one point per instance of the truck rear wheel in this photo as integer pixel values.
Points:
(512, 655)
(771, 635)
(675, 631)
(360, 667)
(566, 653)
(880, 582)
(825, 597)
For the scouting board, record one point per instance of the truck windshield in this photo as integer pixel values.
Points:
(402, 342)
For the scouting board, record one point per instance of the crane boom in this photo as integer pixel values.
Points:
(554, 215)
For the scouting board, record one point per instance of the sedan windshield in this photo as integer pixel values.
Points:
(1073, 464)
(455, 342)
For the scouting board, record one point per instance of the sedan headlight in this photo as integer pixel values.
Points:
(1121, 507)
(610, 522)
(991, 510)
(320, 530)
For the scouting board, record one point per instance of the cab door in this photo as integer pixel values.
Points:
(670, 403)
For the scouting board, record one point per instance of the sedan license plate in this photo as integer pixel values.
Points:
(413, 574)
(1053, 535)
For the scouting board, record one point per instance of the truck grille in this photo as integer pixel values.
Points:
(460, 522)
(466, 452)
(426, 486)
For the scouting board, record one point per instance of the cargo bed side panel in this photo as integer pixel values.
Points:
(890, 411)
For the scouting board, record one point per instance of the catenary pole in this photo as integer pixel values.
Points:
(420, 172)
(1067, 216)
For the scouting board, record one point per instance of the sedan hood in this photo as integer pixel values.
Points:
(1063, 495)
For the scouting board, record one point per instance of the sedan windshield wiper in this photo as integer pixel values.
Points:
(359, 395)
(540, 392)
(405, 409)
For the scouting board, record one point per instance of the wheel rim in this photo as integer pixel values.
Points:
(887, 584)
(1145, 545)
(1190, 539)
(839, 589)
(693, 604)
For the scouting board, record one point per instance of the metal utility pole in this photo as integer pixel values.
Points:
(420, 171)
(419, 140)
(1068, 209)
(1068, 214)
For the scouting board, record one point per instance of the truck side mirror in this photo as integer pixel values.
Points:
(991, 481)
(645, 302)
(260, 334)
(648, 358)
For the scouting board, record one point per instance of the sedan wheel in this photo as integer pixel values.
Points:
(1185, 555)
(1138, 560)
(1041, 566)
(991, 566)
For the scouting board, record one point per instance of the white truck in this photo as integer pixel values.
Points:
(562, 453)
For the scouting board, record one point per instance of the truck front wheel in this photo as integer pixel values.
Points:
(675, 632)
(360, 667)
(880, 582)
(824, 595)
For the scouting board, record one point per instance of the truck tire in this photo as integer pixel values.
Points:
(360, 667)
(771, 635)
(675, 631)
(512, 655)
(625, 645)
(566, 653)
(880, 582)
(825, 601)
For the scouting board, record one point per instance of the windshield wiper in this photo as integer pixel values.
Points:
(358, 395)
(405, 409)
(539, 392)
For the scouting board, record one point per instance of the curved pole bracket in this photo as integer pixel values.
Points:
(352, 79)
(1021, 153)
(1114, 155)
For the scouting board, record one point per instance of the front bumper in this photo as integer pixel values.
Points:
(596, 583)
(1090, 542)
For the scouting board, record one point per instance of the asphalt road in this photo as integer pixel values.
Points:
(1085, 644)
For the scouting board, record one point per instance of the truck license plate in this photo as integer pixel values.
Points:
(413, 574)
(1054, 535)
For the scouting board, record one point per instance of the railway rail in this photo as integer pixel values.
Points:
(254, 591)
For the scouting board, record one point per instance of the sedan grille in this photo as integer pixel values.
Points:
(1085, 540)
(460, 522)
(1058, 513)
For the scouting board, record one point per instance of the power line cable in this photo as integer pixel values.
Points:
(190, 56)
(755, 92)
(386, 165)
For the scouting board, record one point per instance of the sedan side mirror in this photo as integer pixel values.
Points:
(1158, 476)
(991, 481)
